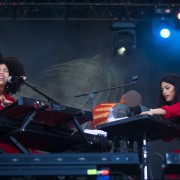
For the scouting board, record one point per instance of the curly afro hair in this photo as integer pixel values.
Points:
(16, 68)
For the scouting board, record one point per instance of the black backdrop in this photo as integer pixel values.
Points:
(66, 58)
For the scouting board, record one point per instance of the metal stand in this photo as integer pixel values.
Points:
(91, 94)
(81, 132)
(91, 100)
(41, 93)
(30, 118)
(144, 157)
(133, 82)
(141, 128)
(18, 145)
(22, 129)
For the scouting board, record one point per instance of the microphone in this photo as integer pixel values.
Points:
(134, 78)
(15, 79)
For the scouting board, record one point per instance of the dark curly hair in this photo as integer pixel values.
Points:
(16, 68)
(173, 79)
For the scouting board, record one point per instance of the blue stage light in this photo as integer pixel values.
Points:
(163, 27)
(165, 33)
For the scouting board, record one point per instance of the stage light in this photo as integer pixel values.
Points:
(123, 38)
(121, 50)
(178, 15)
(165, 33)
(124, 42)
(163, 27)
(160, 10)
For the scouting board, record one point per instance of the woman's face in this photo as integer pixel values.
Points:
(4, 74)
(168, 91)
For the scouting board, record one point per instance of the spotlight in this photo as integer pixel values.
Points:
(165, 33)
(121, 50)
(178, 15)
(163, 27)
(123, 38)
(124, 42)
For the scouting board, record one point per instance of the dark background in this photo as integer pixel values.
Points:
(66, 58)
(72, 45)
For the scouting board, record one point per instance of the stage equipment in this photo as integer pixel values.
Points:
(88, 164)
(91, 94)
(15, 79)
(123, 38)
(163, 26)
(172, 164)
(41, 127)
(129, 105)
(178, 15)
(83, 10)
(46, 113)
(163, 10)
(142, 128)
(101, 112)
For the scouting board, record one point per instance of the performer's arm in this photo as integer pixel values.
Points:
(157, 111)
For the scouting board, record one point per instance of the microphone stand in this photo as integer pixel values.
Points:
(50, 100)
(91, 94)
(51, 103)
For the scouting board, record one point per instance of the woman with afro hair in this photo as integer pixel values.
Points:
(9, 66)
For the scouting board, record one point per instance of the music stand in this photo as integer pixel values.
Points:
(142, 128)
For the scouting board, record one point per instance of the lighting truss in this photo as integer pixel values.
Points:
(107, 10)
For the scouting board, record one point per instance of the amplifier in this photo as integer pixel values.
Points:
(68, 163)
(172, 163)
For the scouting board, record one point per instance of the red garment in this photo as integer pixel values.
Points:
(8, 97)
(5, 145)
(172, 111)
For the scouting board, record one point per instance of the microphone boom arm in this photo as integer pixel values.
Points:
(95, 92)
(51, 100)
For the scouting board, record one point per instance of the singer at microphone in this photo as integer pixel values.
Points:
(15, 79)
(10, 68)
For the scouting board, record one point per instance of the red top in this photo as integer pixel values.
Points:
(8, 97)
(172, 111)
(5, 145)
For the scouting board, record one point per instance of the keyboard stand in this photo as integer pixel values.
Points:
(18, 145)
(141, 128)
(144, 157)
(29, 111)
(77, 125)
(31, 116)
